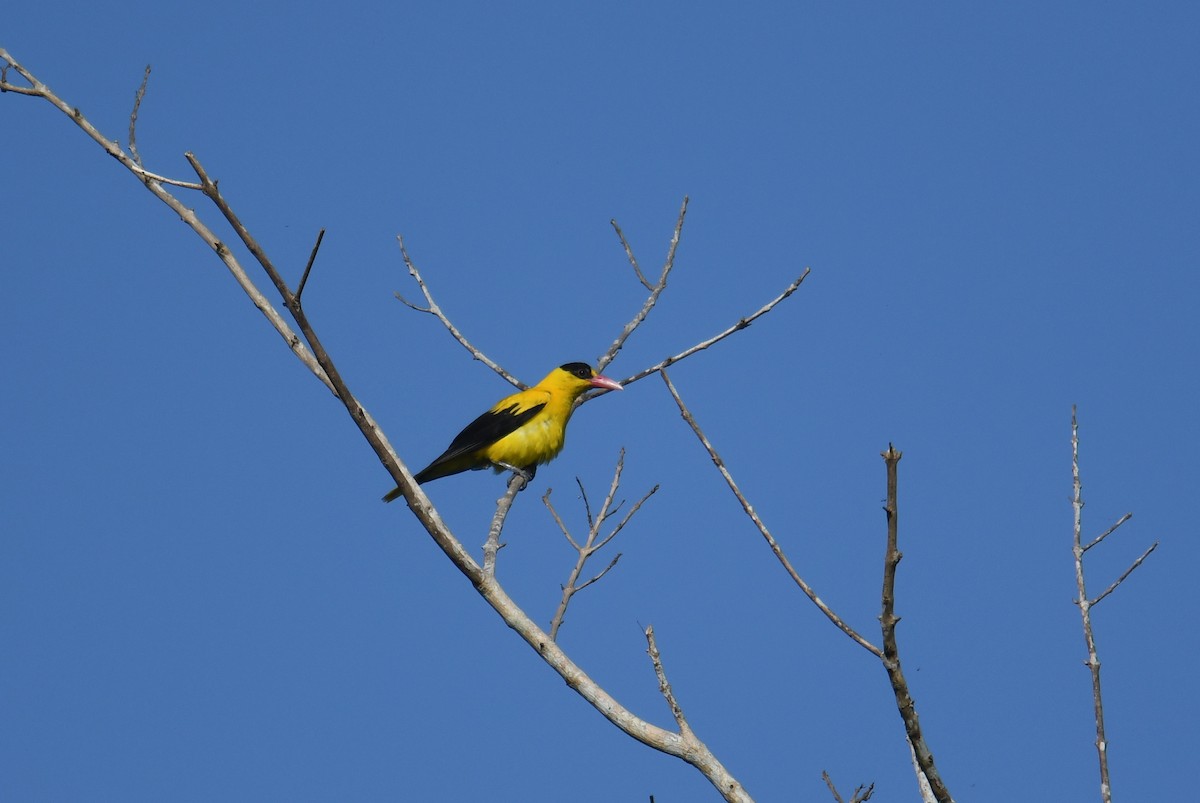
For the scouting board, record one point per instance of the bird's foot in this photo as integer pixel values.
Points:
(526, 475)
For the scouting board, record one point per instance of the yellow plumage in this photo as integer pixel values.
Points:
(520, 431)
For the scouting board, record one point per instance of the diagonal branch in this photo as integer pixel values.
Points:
(433, 309)
(690, 750)
(762, 528)
(1095, 541)
(655, 290)
(717, 338)
(1125, 574)
(632, 259)
(664, 686)
(154, 183)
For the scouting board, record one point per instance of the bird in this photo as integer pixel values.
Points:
(520, 431)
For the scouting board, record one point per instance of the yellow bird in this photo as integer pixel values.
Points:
(521, 431)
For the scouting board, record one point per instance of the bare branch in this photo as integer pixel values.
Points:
(587, 508)
(133, 116)
(651, 299)
(891, 650)
(1107, 532)
(632, 259)
(1125, 574)
(664, 686)
(762, 528)
(603, 572)
(558, 519)
(308, 268)
(832, 789)
(436, 311)
(1093, 659)
(35, 89)
(861, 793)
(154, 183)
(591, 545)
(737, 327)
(621, 525)
(515, 484)
(690, 750)
(1085, 604)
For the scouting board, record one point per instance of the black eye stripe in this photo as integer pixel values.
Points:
(579, 369)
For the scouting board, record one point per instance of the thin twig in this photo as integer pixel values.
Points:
(492, 546)
(1125, 574)
(154, 183)
(762, 528)
(308, 268)
(632, 259)
(861, 793)
(832, 789)
(655, 291)
(664, 686)
(891, 650)
(690, 750)
(737, 327)
(133, 117)
(591, 545)
(558, 519)
(1107, 532)
(436, 311)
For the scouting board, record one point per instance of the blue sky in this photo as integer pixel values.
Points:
(201, 596)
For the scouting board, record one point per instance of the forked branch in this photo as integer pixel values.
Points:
(431, 307)
(593, 543)
(317, 358)
(655, 289)
(1085, 604)
(741, 324)
(861, 793)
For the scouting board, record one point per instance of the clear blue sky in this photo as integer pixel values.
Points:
(201, 596)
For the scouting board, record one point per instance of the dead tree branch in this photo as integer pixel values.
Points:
(133, 116)
(776, 549)
(590, 545)
(320, 363)
(433, 309)
(861, 793)
(737, 327)
(632, 259)
(891, 650)
(492, 547)
(664, 687)
(1085, 604)
(655, 289)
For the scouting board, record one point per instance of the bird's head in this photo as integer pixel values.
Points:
(581, 376)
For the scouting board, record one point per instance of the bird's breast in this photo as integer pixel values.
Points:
(538, 441)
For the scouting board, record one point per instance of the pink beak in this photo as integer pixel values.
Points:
(599, 381)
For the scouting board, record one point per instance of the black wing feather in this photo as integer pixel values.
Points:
(487, 429)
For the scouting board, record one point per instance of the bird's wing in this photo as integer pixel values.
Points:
(489, 428)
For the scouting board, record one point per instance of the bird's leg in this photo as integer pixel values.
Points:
(526, 474)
